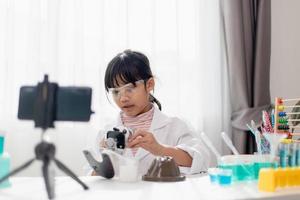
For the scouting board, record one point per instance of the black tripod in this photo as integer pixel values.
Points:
(45, 152)
(40, 104)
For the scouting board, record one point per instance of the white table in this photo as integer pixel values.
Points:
(194, 187)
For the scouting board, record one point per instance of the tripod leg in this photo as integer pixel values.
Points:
(49, 180)
(17, 170)
(61, 166)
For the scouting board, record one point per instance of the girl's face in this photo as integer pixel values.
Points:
(133, 100)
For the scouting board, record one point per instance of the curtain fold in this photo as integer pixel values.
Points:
(247, 37)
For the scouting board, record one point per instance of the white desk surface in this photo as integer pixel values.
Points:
(194, 187)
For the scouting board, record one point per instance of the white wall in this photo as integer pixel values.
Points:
(285, 56)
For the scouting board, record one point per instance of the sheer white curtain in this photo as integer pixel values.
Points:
(73, 40)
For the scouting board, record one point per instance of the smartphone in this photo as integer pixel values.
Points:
(71, 103)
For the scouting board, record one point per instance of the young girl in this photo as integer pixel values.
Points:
(129, 81)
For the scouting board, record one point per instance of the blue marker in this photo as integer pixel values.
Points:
(272, 118)
(283, 154)
(292, 155)
(298, 154)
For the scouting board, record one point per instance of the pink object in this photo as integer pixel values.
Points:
(267, 122)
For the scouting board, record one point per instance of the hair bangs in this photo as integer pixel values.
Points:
(121, 71)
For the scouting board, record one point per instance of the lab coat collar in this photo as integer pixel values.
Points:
(159, 120)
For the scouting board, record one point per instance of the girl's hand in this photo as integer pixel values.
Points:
(94, 174)
(103, 143)
(146, 140)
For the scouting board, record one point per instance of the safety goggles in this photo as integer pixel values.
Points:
(127, 90)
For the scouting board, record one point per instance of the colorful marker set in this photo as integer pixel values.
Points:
(282, 120)
(263, 146)
(280, 165)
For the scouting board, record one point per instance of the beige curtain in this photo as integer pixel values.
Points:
(247, 38)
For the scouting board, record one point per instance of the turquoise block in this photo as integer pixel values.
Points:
(1, 144)
(4, 169)
(260, 165)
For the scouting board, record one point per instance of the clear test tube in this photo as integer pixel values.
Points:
(292, 154)
(283, 154)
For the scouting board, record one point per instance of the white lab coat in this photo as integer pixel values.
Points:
(169, 131)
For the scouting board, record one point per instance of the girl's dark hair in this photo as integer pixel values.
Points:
(128, 67)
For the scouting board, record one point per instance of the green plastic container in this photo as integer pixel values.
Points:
(245, 167)
(260, 165)
(240, 172)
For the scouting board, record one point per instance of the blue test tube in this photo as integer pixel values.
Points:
(298, 154)
(292, 155)
(283, 154)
